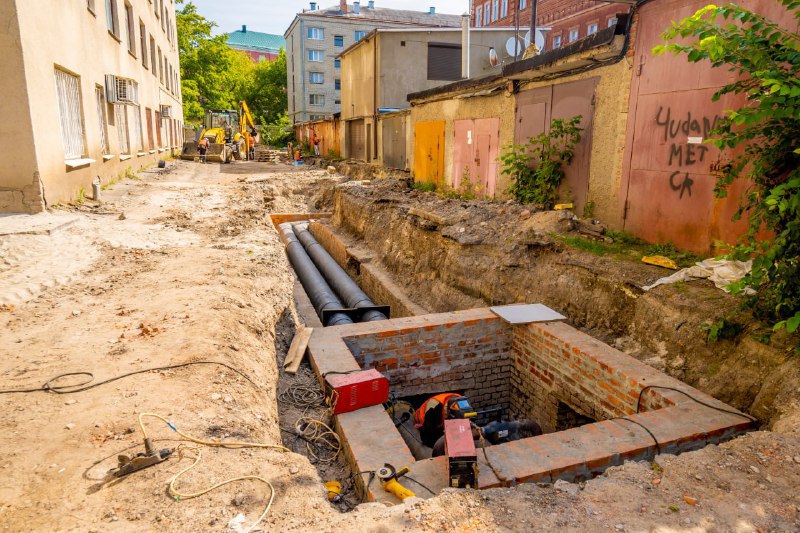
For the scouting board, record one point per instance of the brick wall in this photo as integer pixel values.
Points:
(555, 363)
(460, 355)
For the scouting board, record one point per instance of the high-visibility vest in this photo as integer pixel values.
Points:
(430, 403)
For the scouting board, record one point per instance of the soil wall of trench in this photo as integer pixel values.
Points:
(443, 269)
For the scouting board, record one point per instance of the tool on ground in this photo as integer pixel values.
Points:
(389, 478)
(127, 464)
(462, 456)
(355, 390)
(334, 491)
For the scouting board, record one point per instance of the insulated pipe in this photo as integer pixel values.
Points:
(320, 294)
(345, 287)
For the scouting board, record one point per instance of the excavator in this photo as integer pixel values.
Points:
(228, 132)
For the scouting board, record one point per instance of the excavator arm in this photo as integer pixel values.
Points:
(245, 118)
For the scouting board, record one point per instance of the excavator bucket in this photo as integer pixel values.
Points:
(190, 150)
(216, 152)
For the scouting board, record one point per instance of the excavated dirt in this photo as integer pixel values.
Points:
(186, 267)
(452, 254)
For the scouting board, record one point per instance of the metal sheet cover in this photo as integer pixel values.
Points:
(526, 313)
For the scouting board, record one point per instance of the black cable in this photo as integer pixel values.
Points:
(720, 409)
(420, 484)
(337, 372)
(61, 389)
(658, 446)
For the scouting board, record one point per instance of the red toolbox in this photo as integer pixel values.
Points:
(358, 389)
(462, 457)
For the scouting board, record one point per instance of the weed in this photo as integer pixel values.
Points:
(424, 186)
(668, 249)
(674, 508)
(81, 196)
(588, 209)
(587, 245)
(623, 237)
(723, 328)
(655, 467)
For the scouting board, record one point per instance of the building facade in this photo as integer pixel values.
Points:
(92, 90)
(568, 20)
(317, 36)
(381, 70)
(257, 45)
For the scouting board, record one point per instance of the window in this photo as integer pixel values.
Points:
(160, 66)
(522, 5)
(317, 34)
(143, 43)
(337, 102)
(100, 96)
(591, 29)
(487, 13)
(156, 9)
(503, 9)
(316, 117)
(612, 21)
(338, 40)
(316, 77)
(130, 29)
(573, 34)
(316, 99)
(495, 6)
(478, 13)
(148, 115)
(337, 84)
(153, 56)
(315, 55)
(121, 120)
(360, 35)
(557, 41)
(444, 61)
(112, 18)
(68, 93)
(163, 16)
(90, 5)
(137, 140)
(337, 63)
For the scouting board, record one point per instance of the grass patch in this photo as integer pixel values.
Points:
(424, 186)
(627, 246)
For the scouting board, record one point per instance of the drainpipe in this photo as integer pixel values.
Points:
(534, 9)
(339, 280)
(375, 76)
(465, 45)
(303, 65)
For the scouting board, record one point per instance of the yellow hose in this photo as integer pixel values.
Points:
(223, 444)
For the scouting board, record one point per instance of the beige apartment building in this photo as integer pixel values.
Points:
(317, 36)
(91, 89)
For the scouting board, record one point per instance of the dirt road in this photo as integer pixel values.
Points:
(184, 266)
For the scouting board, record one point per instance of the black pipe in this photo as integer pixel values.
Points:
(320, 294)
(339, 280)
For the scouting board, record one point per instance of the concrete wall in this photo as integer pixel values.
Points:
(19, 173)
(76, 40)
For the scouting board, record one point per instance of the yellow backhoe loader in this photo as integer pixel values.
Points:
(228, 132)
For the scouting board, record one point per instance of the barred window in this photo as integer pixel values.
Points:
(68, 93)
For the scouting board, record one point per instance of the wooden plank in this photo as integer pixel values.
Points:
(297, 350)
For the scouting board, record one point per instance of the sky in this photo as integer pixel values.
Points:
(274, 16)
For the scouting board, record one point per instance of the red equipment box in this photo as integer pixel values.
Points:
(462, 456)
(358, 389)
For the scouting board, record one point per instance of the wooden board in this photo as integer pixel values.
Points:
(297, 350)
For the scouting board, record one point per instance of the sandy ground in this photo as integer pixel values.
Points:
(184, 266)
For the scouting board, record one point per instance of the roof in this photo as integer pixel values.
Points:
(382, 14)
(255, 40)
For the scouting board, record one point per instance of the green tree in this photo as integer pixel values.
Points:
(267, 92)
(213, 75)
(766, 59)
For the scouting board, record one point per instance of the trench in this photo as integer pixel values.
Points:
(522, 384)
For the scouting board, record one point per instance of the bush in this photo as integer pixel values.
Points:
(535, 168)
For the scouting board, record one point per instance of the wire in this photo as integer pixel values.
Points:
(220, 444)
(318, 434)
(85, 385)
(418, 483)
(658, 446)
(720, 409)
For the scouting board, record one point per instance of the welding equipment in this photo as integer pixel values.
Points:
(389, 476)
(462, 456)
(354, 390)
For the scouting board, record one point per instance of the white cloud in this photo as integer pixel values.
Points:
(274, 16)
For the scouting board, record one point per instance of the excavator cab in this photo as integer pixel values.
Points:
(227, 134)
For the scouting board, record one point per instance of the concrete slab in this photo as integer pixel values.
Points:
(526, 313)
(36, 224)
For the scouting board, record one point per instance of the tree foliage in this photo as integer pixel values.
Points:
(766, 133)
(215, 76)
(536, 168)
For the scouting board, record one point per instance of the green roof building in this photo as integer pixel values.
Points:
(258, 46)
